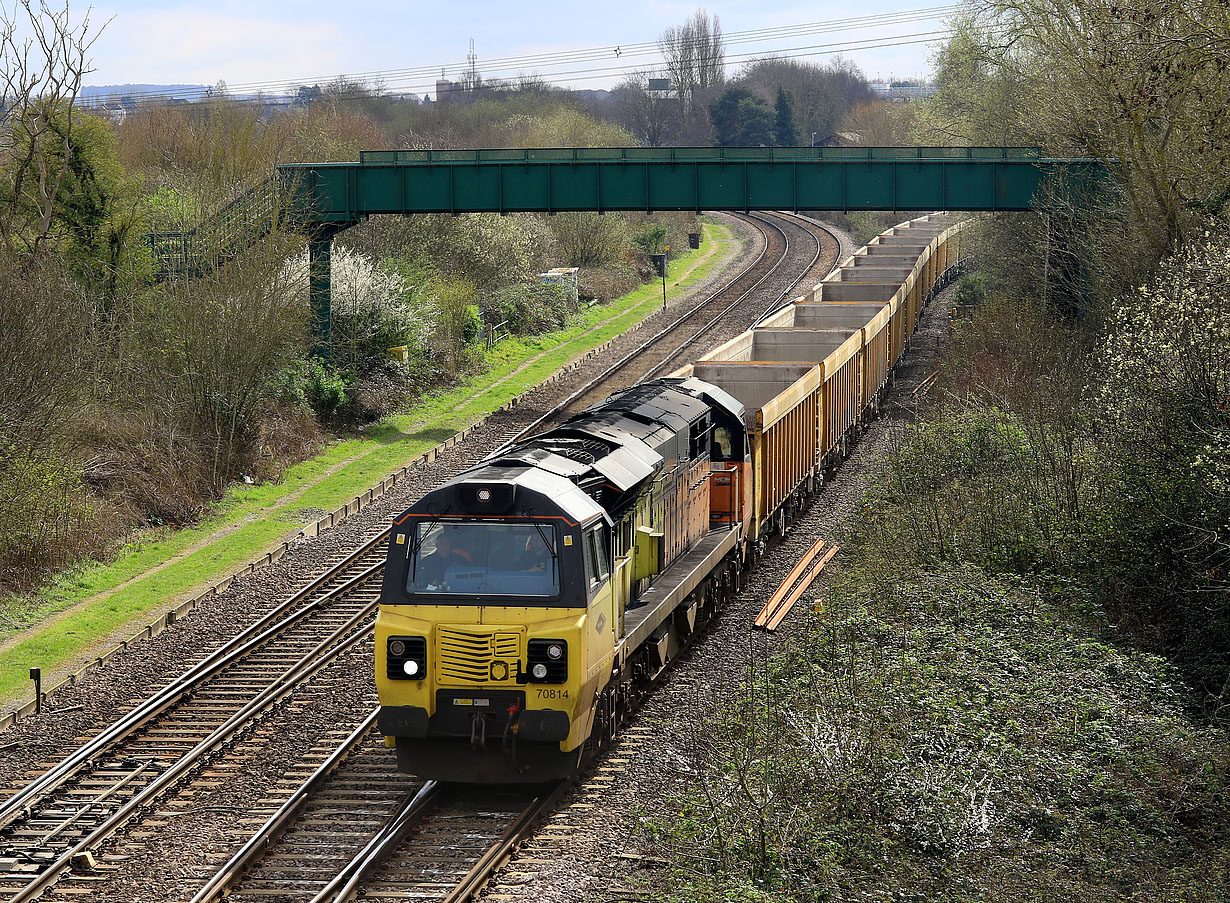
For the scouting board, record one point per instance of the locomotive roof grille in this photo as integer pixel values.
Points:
(610, 447)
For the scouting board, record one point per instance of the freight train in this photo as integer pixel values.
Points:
(528, 600)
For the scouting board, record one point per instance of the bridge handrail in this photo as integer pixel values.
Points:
(689, 154)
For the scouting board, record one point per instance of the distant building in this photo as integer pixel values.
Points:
(444, 88)
(841, 139)
(903, 91)
(115, 111)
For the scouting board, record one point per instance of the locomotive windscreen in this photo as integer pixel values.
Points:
(487, 559)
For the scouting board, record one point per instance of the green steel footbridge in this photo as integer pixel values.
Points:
(322, 199)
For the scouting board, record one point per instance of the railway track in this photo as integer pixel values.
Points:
(774, 274)
(356, 825)
(65, 815)
(55, 822)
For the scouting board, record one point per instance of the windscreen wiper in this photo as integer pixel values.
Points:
(550, 548)
(417, 544)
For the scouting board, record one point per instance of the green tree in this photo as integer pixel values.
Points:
(820, 95)
(1164, 441)
(784, 129)
(1140, 84)
(756, 123)
(741, 119)
(101, 215)
(979, 99)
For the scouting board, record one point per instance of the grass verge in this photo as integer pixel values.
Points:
(90, 606)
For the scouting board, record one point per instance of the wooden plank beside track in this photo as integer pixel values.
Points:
(795, 584)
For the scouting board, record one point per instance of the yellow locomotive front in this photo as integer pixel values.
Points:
(496, 629)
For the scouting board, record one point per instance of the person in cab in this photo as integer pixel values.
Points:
(449, 552)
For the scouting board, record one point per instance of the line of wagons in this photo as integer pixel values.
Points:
(529, 599)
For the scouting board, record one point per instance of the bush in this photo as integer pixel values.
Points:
(589, 239)
(375, 308)
(339, 397)
(46, 517)
(485, 248)
(1163, 428)
(531, 309)
(650, 239)
(973, 486)
(1107, 463)
(946, 735)
(326, 389)
(971, 290)
(607, 283)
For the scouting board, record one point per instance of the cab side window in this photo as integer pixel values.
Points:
(602, 545)
(697, 438)
(597, 557)
(726, 444)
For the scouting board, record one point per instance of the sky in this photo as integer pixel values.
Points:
(277, 44)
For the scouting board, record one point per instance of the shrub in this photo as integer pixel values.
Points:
(326, 389)
(972, 486)
(971, 290)
(650, 239)
(606, 283)
(46, 516)
(216, 343)
(945, 735)
(487, 249)
(375, 307)
(531, 309)
(1163, 426)
(589, 239)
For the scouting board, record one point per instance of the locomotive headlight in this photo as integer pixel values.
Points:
(547, 660)
(406, 658)
(484, 495)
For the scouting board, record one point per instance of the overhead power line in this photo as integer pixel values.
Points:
(795, 53)
(504, 67)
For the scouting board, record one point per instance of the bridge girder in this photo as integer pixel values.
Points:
(330, 197)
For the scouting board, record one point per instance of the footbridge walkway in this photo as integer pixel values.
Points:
(322, 199)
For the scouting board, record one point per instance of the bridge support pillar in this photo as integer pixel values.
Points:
(320, 291)
(320, 282)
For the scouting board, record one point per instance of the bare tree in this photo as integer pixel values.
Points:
(650, 115)
(695, 57)
(218, 342)
(1139, 82)
(879, 123)
(40, 78)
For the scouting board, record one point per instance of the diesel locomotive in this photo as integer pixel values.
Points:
(527, 600)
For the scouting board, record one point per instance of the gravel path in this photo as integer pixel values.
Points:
(596, 848)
